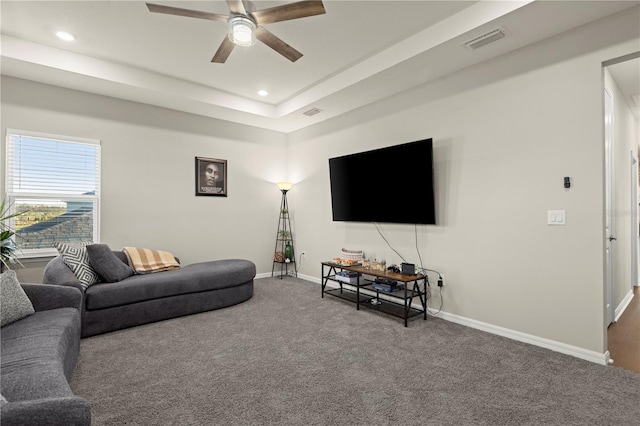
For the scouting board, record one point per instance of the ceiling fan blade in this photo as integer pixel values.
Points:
(286, 12)
(237, 7)
(158, 8)
(277, 44)
(223, 51)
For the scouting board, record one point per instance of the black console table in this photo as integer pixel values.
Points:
(397, 303)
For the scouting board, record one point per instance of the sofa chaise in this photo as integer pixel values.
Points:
(38, 356)
(146, 298)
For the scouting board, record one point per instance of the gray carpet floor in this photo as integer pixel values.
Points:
(288, 357)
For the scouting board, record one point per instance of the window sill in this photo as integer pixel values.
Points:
(39, 256)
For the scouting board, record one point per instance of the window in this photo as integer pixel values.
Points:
(56, 181)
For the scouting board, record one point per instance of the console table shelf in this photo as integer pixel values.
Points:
(362, 292)
(348, 295)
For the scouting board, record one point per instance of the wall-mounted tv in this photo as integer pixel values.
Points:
(387, 185)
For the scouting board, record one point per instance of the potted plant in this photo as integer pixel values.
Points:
(8, 247)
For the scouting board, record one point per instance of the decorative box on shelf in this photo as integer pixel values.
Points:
(386, 288)
(355, 255)
(348, 277)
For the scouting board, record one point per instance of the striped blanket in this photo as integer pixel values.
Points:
(144, 260)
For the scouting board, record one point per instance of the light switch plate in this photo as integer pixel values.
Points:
(556, 217)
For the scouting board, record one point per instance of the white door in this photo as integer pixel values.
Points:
(610, 217)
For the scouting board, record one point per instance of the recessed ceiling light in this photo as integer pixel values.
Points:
(263, 93)
(66, 36)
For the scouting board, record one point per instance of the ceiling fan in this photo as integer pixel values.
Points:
(246, 25)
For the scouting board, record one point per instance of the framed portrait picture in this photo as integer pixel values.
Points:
(211, 177)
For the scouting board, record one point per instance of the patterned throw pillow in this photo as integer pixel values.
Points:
(76, 258)
(15, 302)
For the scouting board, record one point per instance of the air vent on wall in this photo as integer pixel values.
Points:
(312, 111)
(485, 39)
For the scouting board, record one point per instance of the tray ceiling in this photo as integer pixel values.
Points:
(366, 49)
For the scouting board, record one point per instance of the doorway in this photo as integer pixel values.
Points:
(621, 101)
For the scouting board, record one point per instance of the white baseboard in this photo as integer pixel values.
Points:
(592, 356)
(263, 275)
(310, 278)
(563, 348)
(623, 305)
(304, 277)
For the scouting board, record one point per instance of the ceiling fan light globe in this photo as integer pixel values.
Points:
(242, 31)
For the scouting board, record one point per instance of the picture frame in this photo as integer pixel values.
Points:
(211, 177)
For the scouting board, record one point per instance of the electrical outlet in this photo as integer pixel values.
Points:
(441, 280)
(303, 253)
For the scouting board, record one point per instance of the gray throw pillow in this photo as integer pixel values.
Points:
(107, 264)
(15, 304)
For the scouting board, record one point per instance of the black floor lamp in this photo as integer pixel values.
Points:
(283, 253)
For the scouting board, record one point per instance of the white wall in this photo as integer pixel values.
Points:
(148, 176)
(505, 134)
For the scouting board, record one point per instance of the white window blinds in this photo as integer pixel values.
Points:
(56, 181)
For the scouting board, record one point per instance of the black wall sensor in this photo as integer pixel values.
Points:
(567, 182)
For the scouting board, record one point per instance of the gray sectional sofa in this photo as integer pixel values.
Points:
(141, 299)
(39, 351)
(38, 356)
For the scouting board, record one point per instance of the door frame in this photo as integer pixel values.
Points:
(634, 220)
(609, 203)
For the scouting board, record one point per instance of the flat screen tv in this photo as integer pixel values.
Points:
(387, 185)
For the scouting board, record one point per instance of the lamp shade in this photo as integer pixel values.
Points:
(284, 186)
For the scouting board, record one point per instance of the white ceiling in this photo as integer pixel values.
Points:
(355, 54)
